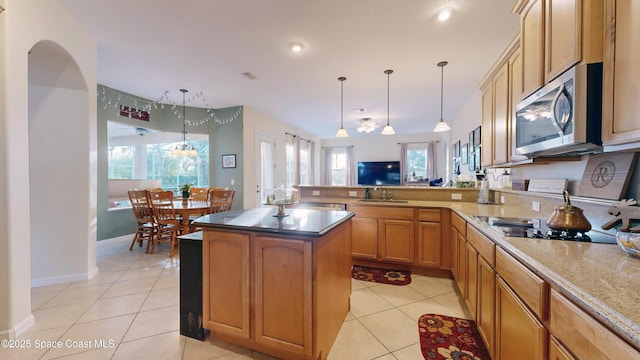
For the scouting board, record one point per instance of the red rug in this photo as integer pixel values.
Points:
(445, 337)
(383, 276)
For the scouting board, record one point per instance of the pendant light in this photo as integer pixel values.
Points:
(342, 132)
(184, 149)
(441, 126)
(388, 130)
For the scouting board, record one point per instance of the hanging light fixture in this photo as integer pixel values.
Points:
(388, 130)
(342, 132)
(441, 126)
(184, 149)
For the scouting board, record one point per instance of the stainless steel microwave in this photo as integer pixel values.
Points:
(564, 117)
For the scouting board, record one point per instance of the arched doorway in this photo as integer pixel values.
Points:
(59, 161)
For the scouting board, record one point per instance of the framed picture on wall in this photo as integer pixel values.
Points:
(456, 149)
(476, 137)
(464, 154)
(228, 161)
(477, 159)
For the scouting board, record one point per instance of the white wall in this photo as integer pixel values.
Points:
(24, 24)
(256, 122)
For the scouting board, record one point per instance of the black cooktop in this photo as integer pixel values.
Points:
(537, 229)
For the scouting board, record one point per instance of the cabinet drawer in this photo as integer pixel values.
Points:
(529, 287)
(385, 212)
(484, 246)
(459, 223)
(431, 215)
(583, 335)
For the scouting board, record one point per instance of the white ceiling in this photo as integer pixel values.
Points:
(148, 46)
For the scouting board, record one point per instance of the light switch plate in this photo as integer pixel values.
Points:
(456, 196)
(316, 193)
(353, 193)
(535, 206)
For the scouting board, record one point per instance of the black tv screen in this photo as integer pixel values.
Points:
(378, 172)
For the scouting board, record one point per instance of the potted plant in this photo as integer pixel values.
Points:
(185, 189)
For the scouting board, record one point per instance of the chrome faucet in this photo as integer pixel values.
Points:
(384, 194)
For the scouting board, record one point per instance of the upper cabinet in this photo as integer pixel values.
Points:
(620, 124)
(555, 35)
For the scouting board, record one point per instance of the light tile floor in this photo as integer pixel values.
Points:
(132, 305)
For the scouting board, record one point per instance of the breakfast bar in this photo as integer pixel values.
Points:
(277, 284)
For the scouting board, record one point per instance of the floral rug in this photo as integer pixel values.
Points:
(445, 337)
(383, 276)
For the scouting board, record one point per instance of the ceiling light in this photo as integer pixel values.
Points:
(445, 14)
(184, 149)
(342, 132)
(388, 130)
(296, 47)
(367, 126)
(441, 126)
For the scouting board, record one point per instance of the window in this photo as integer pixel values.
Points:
(338, 168)
(298, 161)
(176, 170)
(122, 162)
(419, 162)
(305, 162)
(289, 164)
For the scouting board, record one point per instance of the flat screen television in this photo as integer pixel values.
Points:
(378, 172)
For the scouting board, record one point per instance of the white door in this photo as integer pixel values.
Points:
(265, 165)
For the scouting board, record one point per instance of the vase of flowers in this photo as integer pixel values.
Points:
(185, 190)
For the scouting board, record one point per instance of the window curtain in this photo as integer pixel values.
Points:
(350, 173)
(432, 162)
(326, 178)
(312, 176)
(403, 163)
(296, 160)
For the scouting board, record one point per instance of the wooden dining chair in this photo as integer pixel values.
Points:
(199, 194)
(144, 217)
(167, 222)
(221, 200)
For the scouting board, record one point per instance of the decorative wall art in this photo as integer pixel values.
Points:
(228, 161)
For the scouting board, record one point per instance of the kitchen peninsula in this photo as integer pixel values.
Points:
(279, 285)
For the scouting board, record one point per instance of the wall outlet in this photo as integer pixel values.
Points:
(501, 199)
(316, 193)
(456, 196)
(233, 181)
(353, 193)
(535, 206)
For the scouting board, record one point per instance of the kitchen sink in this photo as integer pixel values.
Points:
(385, 201)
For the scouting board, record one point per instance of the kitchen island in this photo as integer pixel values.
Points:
(278, 285)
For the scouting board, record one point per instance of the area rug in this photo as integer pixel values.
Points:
(382, 276)
(446, 337)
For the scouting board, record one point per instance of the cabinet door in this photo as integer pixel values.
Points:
(225, 262)
(364, 238)
(462, 264)
(429, 243)
(515, 95)
(620, 123)
(487, 125)
(557, 351)
(519, 335)
(562, 33)
(486, 303)
(532, 45)
(454, 253)
(283, 303)
(470, 295)
(500, 116)
(396, 241)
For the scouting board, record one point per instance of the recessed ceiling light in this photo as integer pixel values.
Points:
(296, 47)
(445, 14)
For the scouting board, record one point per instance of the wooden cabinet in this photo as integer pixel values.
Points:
(485, 313)
(532, 44)
(225, 263)
(396, 241)
(430, 238)
(459, 250)
(621, 96)
(283, 301)
(515, 95)
(557, 351)
(584, 336)
(555, 35)
(404, 235)
(364, 240)
(519, 335)
(471, 285)
(487, 125)
(500, 116)
(283, 295)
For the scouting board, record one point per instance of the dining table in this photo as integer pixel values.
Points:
(186, 208)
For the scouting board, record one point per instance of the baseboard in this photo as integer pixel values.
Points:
(54, 280)
(23, 326)
(115, 240)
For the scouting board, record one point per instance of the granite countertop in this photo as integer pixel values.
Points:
(298, 222)
(600, 278)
